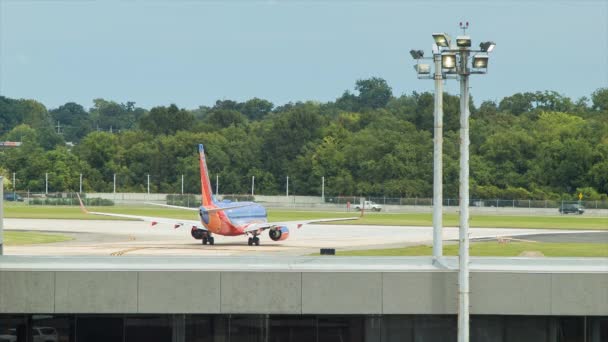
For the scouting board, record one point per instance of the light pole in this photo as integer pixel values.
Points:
(252, 184)
(455, 61)
(323, 189)
(424, 71)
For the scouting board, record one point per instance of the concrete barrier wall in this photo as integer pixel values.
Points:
(164, 291)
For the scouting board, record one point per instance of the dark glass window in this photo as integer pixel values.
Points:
(52, 328)
(373, 328)
(398, 328)
(149, 328)
(569, 329)
(435, 328)
(292, 328)
(597, 329)
(340, 328)
(297, 328)
(13, 328)
(99, 329)
(526, 329)
(247, 328)
(486, 328)
(206, 328)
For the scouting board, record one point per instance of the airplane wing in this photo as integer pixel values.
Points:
(176, 223)
(267, 225)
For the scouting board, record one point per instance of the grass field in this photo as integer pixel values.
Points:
(497, 221)
(66, 212)
(12, 238)
(493, 248)
(397, 219)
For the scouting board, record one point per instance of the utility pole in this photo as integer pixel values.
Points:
(148, 183)
(252, 184)
(217, 182)
(46, 180)
(114, 183)
(14, 186)
(80, 191)
(287, 187)
(182, 184)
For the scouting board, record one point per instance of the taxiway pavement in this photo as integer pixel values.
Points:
(119, 238)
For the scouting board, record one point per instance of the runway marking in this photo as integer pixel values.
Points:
(501, 239)
(125, 251)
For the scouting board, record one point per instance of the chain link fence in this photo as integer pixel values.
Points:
(194, 200)
(454, 202)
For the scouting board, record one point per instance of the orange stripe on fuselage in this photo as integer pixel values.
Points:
(219, 223)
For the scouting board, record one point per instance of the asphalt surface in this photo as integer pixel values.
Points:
(119, 238)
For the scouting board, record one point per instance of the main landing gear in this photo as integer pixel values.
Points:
(208, 238)
(253, 240)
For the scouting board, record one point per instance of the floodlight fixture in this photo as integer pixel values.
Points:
(442, 39)
(417, 54)
(448, 60)
(422, 69)
(463, 41)
(480, 61)
(487, 46)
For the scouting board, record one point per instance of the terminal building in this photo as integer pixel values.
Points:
(292, 299)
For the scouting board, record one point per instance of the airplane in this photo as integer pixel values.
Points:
(223, 218)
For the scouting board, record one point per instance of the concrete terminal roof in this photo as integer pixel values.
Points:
(302, 264)
(300, 285)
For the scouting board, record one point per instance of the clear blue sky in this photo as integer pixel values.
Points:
(192, 53)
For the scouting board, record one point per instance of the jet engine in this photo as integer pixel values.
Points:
(279, 233)
(197, 233)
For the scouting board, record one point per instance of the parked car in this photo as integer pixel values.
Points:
(9, 335)
(44, 334)
(8, 338)
(11, 196)
(571, 208)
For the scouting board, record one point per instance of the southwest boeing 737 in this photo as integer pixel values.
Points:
(223, 218)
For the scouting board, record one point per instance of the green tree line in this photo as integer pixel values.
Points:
(533, 145)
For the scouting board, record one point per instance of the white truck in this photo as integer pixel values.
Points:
(368, 205)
